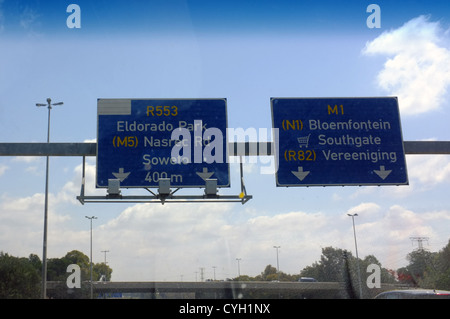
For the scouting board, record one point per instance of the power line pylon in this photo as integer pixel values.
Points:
(420, 241)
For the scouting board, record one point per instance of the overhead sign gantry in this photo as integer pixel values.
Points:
(141, 141)
(338, 141)
(168, 144)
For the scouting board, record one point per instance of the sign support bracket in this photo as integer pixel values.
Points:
(165, 194)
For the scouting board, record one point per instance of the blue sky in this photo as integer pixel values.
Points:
(247, 52)
(210, 16)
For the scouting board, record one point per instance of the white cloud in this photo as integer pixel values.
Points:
(3, 169)
(418, 67)
(387, 236)
(29, 19)
(163, 242)
(424, 173)
(429, 170)
(150, 241)
(34, 163)
(26, 159)
(365, 209)
(22, 220)
(402, 223)
(155, 242)
(442, 214)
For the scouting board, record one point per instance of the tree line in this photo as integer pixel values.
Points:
(425, 269)
(21, 277)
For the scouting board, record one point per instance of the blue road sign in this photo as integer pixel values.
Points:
(140, 141)
(338, 141)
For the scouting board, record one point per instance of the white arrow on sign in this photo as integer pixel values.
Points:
(300, 174)
(121, 175)
(382, 172)
(205, 174)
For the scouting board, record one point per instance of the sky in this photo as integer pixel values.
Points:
(246, 52)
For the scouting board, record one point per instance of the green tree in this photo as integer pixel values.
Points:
(57, 267)
(437, 271)
(419, 261)
(405, 277)
(244, 278)
(18, 278)
(443, 268)
(21, 277)
(102, 272)
(57, 271)
(386, 276)
(77, 257)
(330, 266)
(36, 262)
(269, 274)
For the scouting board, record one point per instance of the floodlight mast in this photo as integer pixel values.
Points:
(92, 289)
(44, 254)
(357, 258)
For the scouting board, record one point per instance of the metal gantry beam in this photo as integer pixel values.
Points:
(48, 149)
(235, 148)
(427, 147)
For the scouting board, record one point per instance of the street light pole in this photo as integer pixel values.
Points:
(278, 265)
(92, 290)
(44, 253)
(239, 267)
(104, 278)
(357, 258)
(105, 251)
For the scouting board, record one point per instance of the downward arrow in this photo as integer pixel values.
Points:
(382, 173)
(121, 175)
(300, 174)
(205, 174)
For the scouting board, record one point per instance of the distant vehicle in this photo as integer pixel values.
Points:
(414, 294)
(307, 279)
